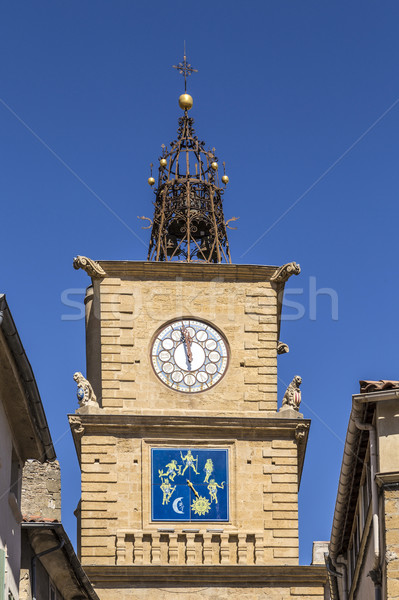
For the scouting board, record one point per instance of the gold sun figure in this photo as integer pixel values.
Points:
(200, 506)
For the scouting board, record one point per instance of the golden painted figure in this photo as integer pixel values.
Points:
(213, 490)
(167, 490)
(189, 461)
(200, 506)
(208, 469)
(173, 469)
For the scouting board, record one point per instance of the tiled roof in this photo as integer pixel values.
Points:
(377, 386)
(37, 519)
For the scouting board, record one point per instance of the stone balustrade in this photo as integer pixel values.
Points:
(189, 547)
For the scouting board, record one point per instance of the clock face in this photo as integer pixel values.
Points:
(189, 484)
(189, 356)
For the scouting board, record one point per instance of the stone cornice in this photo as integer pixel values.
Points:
(188, 271)
(194, 427)
(224, 575)
(169, 271)
(203, 425)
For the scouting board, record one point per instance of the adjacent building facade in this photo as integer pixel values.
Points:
(37, 561)
(50, 569)
(24, 434)
(363, 560)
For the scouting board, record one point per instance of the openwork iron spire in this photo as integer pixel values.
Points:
(188, 223)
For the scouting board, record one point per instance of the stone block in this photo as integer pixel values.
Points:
(283, 443)
(281, 470)
(285, 514)
(284, 487)
(285, 542)
(285, 478)
(307, 591)
(285, 452)
(285, 552)
(268, 406)
(271, 352)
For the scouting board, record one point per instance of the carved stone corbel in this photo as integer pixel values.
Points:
(282, 274)
(282, 348)
(76, 424)
(300, 431)
(92, 268)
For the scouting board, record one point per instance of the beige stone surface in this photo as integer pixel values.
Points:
(131, 311)
(139, 413)
(388, 435)
(215, 593)
(116, 492)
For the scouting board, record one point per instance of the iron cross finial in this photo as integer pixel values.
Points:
(185, 68)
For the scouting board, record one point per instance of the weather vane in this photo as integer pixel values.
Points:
(185, 68)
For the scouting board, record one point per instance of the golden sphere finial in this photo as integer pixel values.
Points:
(214, 165)
(185, 101)
(163, 162)
(151, 181)
(225, 179)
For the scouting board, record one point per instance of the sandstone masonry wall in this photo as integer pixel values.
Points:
(115, 507)
(133, 311)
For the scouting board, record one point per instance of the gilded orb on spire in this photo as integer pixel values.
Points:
(186, 101)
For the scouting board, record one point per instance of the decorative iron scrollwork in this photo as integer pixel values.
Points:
(188, 223)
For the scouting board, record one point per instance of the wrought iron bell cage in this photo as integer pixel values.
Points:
(188, 223)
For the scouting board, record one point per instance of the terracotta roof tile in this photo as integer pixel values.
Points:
(37, 519)
(376, 386)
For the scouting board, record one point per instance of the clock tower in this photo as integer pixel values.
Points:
(190, 473)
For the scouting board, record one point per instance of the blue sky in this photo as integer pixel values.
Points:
(301, 99)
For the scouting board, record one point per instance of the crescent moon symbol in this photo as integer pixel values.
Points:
(174, 506)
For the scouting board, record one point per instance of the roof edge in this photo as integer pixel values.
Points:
(77, 568)
(345, 478)
(24, 368)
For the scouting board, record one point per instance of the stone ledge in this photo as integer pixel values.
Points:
(256, 427)
(200, 575)
(190, 271)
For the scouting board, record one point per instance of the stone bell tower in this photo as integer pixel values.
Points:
(190, 473)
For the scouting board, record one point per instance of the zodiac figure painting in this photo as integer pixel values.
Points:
(167, 490)
(173, 469)
(213, 490)
(189, 484)
(208, 469)
(189, 461)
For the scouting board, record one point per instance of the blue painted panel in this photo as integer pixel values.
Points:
(189, 484)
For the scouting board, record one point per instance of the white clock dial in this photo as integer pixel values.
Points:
(189, 355)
